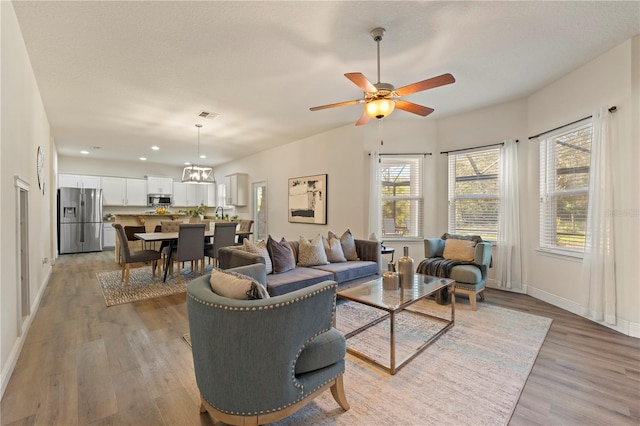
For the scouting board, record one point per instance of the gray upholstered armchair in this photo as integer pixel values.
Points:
(258, 361)
(471, 276)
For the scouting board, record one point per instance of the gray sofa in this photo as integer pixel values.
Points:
(350, 272)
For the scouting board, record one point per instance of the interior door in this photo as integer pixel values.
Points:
(260, 208)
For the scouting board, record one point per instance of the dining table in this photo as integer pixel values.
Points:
(171, 237)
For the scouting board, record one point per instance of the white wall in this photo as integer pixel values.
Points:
(342, 154)
(24, 127)
(605, 81)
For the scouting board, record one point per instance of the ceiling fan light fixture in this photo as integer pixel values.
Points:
(379, 108)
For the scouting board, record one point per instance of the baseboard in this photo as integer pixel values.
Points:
(7, 371)
(491, 283)
(623, 326)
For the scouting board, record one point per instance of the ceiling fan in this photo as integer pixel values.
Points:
(381, 99)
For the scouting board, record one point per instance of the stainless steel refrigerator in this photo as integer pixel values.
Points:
(79, 220)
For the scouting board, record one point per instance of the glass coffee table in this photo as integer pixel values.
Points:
(393, 302)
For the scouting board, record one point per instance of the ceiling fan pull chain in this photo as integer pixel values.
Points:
(381, 132)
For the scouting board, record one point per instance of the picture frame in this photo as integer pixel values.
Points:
(308, 199)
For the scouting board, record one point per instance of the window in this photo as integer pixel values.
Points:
(565, 158)
(474, 193)
(400, 178)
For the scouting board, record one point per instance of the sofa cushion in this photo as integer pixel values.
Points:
(326, 349)
(348, 244)
(236, 286)
(350, 270)
(311, 253)
(295, 279)
(260, 249)
(281, 255)
(469, 274)
(333, 249)
(462, 250)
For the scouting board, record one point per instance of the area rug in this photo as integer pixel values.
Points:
(142, 284)
(471, 375)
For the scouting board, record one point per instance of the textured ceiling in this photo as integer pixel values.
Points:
(125, 76)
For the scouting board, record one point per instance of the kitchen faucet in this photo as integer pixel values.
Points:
(221, 210)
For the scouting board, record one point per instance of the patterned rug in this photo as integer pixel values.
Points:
(471, 375)
(142, 285)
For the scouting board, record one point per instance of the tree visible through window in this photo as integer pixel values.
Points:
(474, 193)
(565, 159)
(401, 196)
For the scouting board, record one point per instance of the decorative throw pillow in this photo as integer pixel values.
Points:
(260, 249)
(348, 244)
(281, 254)
(236, 286)
(311, 253)
(475, 238)
(462, 250)
(333, 250)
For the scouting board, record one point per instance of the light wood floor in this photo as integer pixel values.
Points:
(84, 363)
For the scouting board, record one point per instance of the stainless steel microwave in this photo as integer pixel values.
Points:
(155, 200)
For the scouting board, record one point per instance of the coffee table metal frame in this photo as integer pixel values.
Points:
(393, 302)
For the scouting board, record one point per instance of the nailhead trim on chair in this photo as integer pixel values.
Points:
(253, 308)
(294, 381)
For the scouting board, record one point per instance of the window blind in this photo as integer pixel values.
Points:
(565, 159)
(401, 196)
(474, 193)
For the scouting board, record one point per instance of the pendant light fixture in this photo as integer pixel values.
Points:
(197, 173)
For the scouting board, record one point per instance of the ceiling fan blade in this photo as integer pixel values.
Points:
(414, 108)
(361, 81)
(429, 83)
(364, 119)
(339, 104)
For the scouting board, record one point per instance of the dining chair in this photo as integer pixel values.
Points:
(128, 257)
(224, 235)
(130, 230)
(190, 247)
(244, 230)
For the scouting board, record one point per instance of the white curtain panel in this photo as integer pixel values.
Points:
(507, 258)
(598, 264)
(374, 194)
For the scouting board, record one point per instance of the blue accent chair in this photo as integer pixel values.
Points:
(259, 361)
(470, 279)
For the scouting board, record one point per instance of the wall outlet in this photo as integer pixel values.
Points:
(45, 260)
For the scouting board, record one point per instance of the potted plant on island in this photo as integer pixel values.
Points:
(196, 213)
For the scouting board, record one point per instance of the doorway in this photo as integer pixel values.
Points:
(260, 231)
(22, 226)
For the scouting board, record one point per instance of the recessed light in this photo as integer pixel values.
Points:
(203, 156)
(143, 158)
(84, 152)
(155, 148)
(186, 163)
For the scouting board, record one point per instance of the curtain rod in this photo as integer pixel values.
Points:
(407, 153)
(474, 147)
(612, 109)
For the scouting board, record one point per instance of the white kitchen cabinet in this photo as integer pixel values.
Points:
(159, 185)
(78, 181)
(179, 194)
(236, 189)
(188, 194)
(114, 191)
(124, 192)
(136, 192)
(211, 195)
(108, 235)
